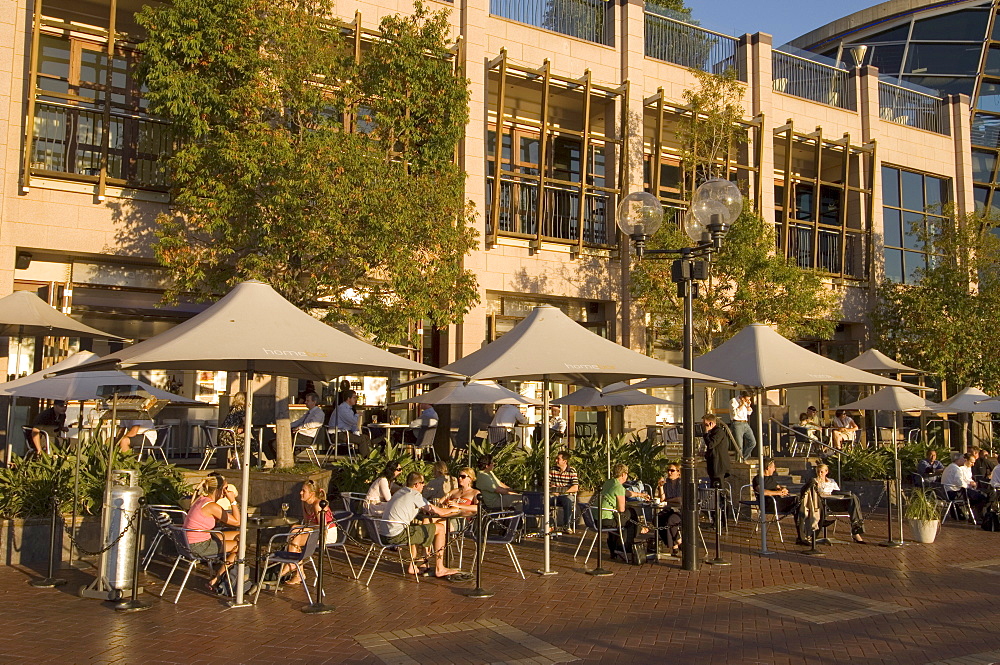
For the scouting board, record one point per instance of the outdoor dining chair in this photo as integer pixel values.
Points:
(377, 540)
(154, 440)
(591, 526)
(510, 522)
(307, 443)
(179, 537)
(287, 557)
(214, 442)
(344, 522)
(46, 441)
(163, 517)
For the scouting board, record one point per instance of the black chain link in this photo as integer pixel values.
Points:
(83, 550)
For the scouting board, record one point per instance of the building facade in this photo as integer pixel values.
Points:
(573, 104)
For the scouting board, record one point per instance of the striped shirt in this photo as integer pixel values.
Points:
(562, 480)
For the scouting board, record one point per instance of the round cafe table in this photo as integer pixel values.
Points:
(259, 524)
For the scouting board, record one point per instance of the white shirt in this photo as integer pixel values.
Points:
(343, 419)
(956, 477)
(558, 424)
(310, 423)
(995, 476)
(738, 410)
(402, 507)
(846, 423)
(828, 487)
(508, 415)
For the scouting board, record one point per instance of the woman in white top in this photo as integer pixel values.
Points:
(382, 488)
(844, 428)
(839, 500)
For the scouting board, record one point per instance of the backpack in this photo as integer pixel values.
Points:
(991, 520)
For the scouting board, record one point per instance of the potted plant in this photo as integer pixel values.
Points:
(924, 515)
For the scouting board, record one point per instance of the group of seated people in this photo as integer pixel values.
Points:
(781, 501)
(959, 478)
(842, 428)
(50, 425)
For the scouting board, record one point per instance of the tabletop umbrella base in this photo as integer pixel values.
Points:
(233, 603)
(47, 582)
(479, 592)
(547, 572)
(891, 543)
(718, 562)
(318, 608)
(600, 572)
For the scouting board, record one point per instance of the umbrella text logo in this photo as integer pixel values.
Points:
(287, 353)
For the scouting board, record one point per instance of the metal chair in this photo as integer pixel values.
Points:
(427, 443)
(771, 505)
(344, 522)
(286, 557)
(154, 440)
(960, 498)
(375, 537)
(918, 481)
(308, 444)
(213, 436)
(512, 523)
(179, 537)
(590, 525)
(336, 438)
(533, 505)
(46, 441)
(163, 517)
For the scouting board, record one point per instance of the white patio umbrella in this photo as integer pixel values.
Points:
(760, 359)
(616, 394)
(968, 401)
(877, 362)
(549, 346)
(253, 329)
(896, 400)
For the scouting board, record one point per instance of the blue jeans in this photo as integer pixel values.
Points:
(565, 504)
(744, 438)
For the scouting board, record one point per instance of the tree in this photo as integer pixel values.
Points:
(947, 321)
(334, 180)
(748, 282)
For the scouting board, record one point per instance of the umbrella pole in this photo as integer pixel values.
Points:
(891, 542)
(547, 565)
(762, 506)
(239, 600)
(607, 436)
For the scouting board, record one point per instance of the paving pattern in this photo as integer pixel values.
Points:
(859, 604)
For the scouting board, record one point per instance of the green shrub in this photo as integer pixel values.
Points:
(862, 464)
(356, 474)
(921, 505)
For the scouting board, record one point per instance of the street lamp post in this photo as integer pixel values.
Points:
(715, 205)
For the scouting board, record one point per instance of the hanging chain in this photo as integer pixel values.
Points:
(83, 550)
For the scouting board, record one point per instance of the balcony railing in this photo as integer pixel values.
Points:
(68, 139)
(905, 106)
(518, 214)
(691, 46)
(810, 79)
(585, 19)
(828, 258)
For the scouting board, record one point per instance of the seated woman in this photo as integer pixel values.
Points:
(234, 420)
(204, 515)
(844, 428)
(491, 488)
(382, 488)
(464, 499)
(668, 491)
(612, 512)
(310, 496)
(830, 490)
(442, 483)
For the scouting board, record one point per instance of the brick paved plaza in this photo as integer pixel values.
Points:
(860, 603)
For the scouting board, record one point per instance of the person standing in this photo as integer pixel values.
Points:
(740, 409)
(716, 449)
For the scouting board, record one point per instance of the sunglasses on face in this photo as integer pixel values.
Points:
(462, 476)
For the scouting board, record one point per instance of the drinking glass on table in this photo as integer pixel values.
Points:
(284, 510)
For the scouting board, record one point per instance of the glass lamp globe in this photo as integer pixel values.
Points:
(723, 192)
(639, 215)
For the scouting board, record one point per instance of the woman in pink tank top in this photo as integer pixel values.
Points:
(204, 514)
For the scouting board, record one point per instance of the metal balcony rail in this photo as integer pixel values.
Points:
(812, 80)
(828, 251)
(585, 19)
(518, 215)
(911, 107)
(67, 139)
(691, 46)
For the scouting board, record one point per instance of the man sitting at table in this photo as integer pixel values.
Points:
(427, 419)
(345, 425)
(303, 429)
(930, 465)
(563, 484)
(781, 500)
(51, 421)
(507, 416)
(982, 465)
(957, 478)
(399, 528)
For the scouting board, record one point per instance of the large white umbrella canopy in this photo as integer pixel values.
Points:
(80, 385)
(24, 313)
(616, 394)
(473, 392)
(894, 398)
(875, 361)
(971, 400)
(548, 346)
(253, 329)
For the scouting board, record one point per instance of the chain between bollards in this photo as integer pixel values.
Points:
(51, 580)
(318, 606)
(133, 604)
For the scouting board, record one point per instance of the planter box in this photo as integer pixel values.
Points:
(25, 542)
(871, 492)
(269, 490)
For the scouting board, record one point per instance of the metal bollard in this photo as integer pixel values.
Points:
(50, 581)
(318, 606)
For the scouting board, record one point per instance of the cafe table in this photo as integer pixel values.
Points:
(259, 524)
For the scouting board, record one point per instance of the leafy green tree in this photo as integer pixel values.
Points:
(332, 179)
(946, 323)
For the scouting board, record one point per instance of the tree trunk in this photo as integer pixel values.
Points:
(286, 456)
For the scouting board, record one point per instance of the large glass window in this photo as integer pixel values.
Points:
(912, 207)
(942, 58)
(967, 25)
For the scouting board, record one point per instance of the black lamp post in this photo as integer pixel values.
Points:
(715, 205)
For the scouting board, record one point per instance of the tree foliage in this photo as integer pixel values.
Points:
(946, 323)
(748, 282)
(332, 179)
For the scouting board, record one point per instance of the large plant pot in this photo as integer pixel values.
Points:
(924, 531)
